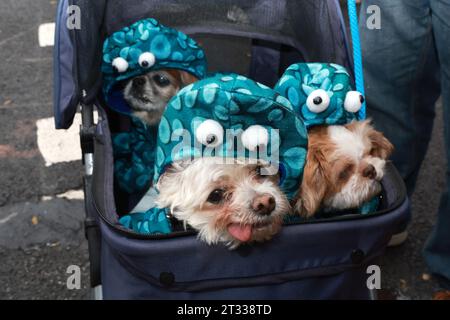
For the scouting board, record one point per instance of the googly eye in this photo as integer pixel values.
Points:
(255, 136)
(318, 101)
(146, 60)
(353, 101)
(120, 64)
(209, 133)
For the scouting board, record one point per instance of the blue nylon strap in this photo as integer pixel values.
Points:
(357, 58)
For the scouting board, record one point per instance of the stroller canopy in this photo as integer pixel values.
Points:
(259, 38)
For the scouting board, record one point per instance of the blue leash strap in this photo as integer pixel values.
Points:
(357, 57)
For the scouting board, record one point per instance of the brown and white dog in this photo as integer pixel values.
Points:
(343, 168)
(148, 94)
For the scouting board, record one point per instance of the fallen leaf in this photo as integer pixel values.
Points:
(34, 220)
(52, 244)
(442, 295)
(426, 277)
(403, 284)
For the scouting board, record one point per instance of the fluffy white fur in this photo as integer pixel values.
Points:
(355, 192)
(186, 186)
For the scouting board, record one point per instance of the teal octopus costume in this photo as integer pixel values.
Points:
(134, 156)
(321, 93)
(144, 46)
(204, 119)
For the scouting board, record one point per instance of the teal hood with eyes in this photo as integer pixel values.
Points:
(144, 46)
(330, 83)
(196, 122)
(231, 116)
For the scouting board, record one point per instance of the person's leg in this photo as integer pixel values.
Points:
(396, 59)
(437, 248)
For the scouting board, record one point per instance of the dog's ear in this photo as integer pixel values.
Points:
(169, 184)
(314, 184)
(187, 78)
(381, 147)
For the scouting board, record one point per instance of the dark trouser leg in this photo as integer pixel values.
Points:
(400, 75)
(437, 249)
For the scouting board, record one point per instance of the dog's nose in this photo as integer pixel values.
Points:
(369, 172)
(138, 82)
(263, 204)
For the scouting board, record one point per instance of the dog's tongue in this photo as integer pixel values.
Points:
(241, 232)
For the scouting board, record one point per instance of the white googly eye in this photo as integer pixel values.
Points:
(353, 101)
(209, 133)
(120, 64)
(255, 136)
(318, 101)
(147, 59)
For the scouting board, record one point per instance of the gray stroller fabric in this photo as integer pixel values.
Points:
(277, 32)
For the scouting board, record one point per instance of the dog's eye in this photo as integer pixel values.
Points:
(374, 152)
(353, 101)
(345, 174)
(209, 133)
(146, 60)
(255, 136)
(161, 80)
(119, 64)
(216, 196)
(318, 101)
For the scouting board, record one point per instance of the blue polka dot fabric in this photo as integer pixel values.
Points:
(329, 89)
(144, 46)
(134, 157)
(153, 221)
(234, 103)
(228, 106)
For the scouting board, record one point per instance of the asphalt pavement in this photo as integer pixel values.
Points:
(41, 207)
(40, 232)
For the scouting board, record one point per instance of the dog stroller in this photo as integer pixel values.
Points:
(319, 259)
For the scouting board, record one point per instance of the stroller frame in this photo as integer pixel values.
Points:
(88, 128)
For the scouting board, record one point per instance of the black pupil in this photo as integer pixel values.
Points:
(161, 81)
(317, 100)
(216, 196)
(210, 139)
(361, 98)
(145, 63)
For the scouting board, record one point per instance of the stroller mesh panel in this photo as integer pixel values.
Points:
(293, 23)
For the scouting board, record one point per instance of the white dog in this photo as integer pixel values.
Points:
(230, 203)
